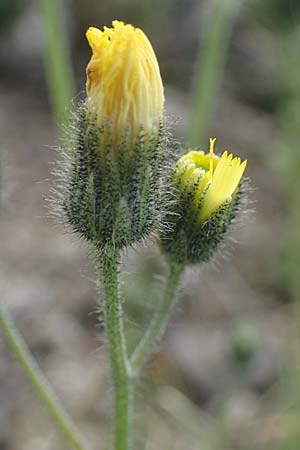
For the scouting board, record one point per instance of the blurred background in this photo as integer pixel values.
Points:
(227, 375)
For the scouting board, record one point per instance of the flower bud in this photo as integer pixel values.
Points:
(124, 86)
(208, 192)
(118, 164)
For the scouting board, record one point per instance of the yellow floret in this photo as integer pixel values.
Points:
(214, 179)
(124, 86)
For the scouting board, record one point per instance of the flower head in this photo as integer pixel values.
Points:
(116, 173)
(208, 196)
(124, 86)
(213, 179)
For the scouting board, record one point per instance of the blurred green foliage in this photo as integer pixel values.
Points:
(57, 59)
(245, 342)
(9, 10)
(278, 14)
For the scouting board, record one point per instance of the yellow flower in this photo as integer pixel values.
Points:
(124, 87)
(213, 179)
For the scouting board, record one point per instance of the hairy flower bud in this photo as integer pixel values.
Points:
(117, 168)
(208, 191)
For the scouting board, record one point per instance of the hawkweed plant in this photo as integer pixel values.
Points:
(118, 181)
(113, 178)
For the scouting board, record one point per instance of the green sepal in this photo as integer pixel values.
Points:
(188, 241)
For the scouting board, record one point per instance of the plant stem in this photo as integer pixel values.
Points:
(160, 321)
(210, 66)
(121, 373)
(57, 59)
(39, 382)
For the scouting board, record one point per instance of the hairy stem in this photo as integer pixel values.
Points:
(160, 321)
(121, 374)
(39, 382)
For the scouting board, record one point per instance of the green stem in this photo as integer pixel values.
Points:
(121, 373)
(39, 382)
(160, 321)
(210, 66)
(57, 59)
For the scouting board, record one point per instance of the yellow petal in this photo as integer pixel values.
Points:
(124, 85)
(216, 178)
(224, 182)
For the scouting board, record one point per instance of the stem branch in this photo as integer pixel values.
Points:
(160, 321)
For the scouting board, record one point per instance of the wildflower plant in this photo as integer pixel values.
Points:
(118, 183)
(112, 181)
(113, 192)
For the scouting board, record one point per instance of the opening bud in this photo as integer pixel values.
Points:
(208, 192)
